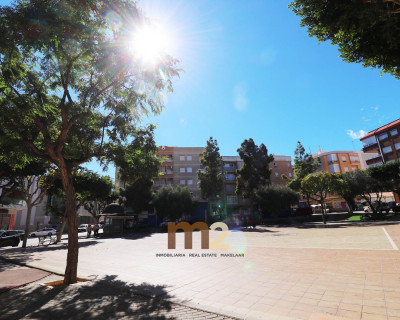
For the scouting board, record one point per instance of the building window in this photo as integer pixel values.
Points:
(368, 142)
(276, 174)
(182, 158)
(332, 158)
(275, 165)
(231, 200)
(230, 177)
(344, 159)
(189, 169)
(289, 165)
(394, 132)
(190, 182)
(397, 146)
(334, 168)
(189, 158)
(382, 136)
(183, 182)
(354, 169)
(182, 170)
(290, 175)
(346, 169)
(354, 159)
(230, 188)
(387, 149)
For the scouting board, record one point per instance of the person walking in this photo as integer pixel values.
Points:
(89, 230)
(96, 230)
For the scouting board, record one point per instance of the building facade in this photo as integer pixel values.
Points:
(342, 161)
(384, 142)
(179, 168)
(282, 165)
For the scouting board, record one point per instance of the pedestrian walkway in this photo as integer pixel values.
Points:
(286, 272)
(98, 299)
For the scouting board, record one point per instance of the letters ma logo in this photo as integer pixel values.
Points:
(205, 234)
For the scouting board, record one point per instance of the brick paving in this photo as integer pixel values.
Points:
(90, 300)
(286, 273)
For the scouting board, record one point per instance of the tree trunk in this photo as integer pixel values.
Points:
(28, 220)
(62, 227)
(323, 212)
(71, 269)
(349, 205)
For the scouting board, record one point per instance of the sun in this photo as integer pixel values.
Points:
(149, 43)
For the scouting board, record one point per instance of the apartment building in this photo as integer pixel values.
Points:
(166, 169)
(236, 205)
(342, 161)
(186, 162)
(282, 165)
(384, 142)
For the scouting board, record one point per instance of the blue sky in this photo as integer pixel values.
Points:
(250, 70)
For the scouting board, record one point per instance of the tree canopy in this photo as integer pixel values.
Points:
(210, 177)
(276, 198)
(72, 85)
(318, 186)
(138, 194)
(173, 202)
(366, 31)
(255, 171)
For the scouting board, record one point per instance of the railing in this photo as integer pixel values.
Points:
(374, 157)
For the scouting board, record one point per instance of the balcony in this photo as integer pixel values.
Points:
(374, 157)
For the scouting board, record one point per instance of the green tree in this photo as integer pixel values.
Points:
(93, 192)
(210, 177)
(71, 88)
(30, 181)
(276, 198)
(354, 183)
(138, 160)
(138, 166)
(304, 164)
(365, 31)
(255, 171)
(388, 174)
(173, 202)
(318, 185)
(138, 194)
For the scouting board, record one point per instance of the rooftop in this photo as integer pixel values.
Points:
(382, 129)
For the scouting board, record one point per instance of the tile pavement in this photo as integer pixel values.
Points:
(286, 273)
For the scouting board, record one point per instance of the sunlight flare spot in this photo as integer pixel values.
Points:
(149, 43)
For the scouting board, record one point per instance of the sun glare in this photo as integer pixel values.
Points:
(149, 43)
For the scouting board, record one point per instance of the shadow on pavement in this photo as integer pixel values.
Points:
(107, 298)
(22, 255)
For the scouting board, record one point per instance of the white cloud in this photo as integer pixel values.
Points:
(356, 135)
(375, 108)
(183, 122)
(240, 101)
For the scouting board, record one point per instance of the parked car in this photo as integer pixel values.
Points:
(380, 207)
(7, 239)
(396, 208)
(20, 233)
(83, 228)
(302, 211)
(164, 224)
(43, 232)
(358, 206)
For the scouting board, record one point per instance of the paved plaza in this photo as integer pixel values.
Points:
(346, 272)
